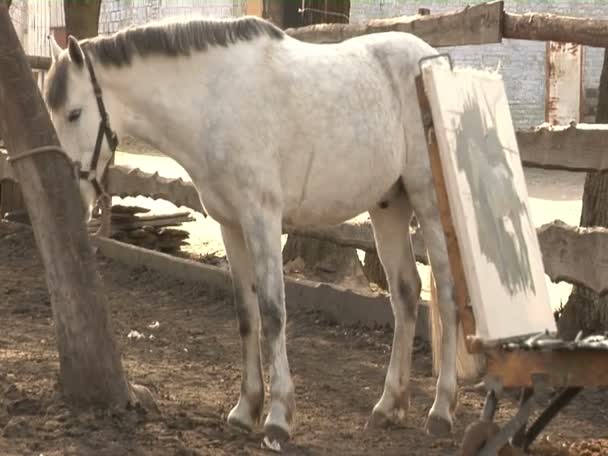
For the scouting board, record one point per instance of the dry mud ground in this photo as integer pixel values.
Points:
(192, 366)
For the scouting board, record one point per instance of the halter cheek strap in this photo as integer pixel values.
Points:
(104, 130)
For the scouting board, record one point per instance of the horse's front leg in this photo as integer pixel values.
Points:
(262, 232)
(248, 411)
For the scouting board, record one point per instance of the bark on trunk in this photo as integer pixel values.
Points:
(585, 310)
(327, 260)
(81, 17)
(374, 270)
(90, 369)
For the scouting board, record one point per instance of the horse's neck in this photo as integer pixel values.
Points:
(156, 102)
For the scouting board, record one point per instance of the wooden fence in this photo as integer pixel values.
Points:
(572, 254)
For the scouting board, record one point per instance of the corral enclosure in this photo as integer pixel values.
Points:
(522, 62)
(536, 160)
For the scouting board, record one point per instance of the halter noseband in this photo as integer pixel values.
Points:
(103, 130)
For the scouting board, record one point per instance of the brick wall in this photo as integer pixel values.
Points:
(522, 62)
(116, 14)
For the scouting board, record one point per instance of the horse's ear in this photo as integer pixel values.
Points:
(75, 51)
(55, 48)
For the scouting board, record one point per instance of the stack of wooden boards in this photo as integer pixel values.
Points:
(155, 232)
(133, 225)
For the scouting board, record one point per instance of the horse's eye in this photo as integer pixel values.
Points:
(74, 115)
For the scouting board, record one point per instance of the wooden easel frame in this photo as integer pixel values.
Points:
(568, 368)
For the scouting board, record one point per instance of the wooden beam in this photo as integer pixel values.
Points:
(575, 255)
(39, 62)
(551, 27)
(356, 235)
(123, 181)
(581, 147)
(479, 24)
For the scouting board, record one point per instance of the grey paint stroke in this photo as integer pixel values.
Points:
(482, 158)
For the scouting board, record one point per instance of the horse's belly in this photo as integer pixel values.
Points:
(333, 195)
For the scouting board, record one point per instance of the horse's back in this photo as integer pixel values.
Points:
(347, 145)
(320, 128)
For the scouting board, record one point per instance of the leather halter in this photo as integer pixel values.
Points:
(103, 130)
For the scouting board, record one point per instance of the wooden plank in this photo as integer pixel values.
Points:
(478, 24)
(576, 255)
(488, 202)
(39, 62)
(559, 368)
(579, 147)
(123, 181)
(551, 27)
(356, 235)
(564, 63)
(461, 291)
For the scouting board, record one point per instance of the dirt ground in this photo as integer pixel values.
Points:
(191, 362)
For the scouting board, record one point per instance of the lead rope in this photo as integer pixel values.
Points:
(103, 198)
(41, 150)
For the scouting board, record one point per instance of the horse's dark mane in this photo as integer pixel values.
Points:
(169, 38)
(175, 38)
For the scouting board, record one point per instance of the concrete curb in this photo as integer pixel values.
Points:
(335, 303)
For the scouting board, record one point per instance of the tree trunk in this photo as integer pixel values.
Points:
(326, 260)
(90, 369)
(373, 270)
(81, 17)
(585, 310)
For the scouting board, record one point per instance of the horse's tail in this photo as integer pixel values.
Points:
(468, 367)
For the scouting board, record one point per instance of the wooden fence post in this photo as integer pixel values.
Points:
(90, 368)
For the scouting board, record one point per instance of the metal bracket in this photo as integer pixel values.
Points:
(433, 57)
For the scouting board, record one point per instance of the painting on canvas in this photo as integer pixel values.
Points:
(488, 201)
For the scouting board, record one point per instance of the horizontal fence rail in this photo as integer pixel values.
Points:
(572, 254)
(485, 23)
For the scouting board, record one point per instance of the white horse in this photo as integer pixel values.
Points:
(273, 130)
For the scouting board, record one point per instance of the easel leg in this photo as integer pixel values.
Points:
(558, 403)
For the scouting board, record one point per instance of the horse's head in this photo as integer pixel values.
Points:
(79, 116)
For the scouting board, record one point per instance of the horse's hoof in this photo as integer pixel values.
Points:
(380, 420)
(276, 433)
(276, 427)
(239, 422)
(377, 420)
(242, 418)
(438, 426)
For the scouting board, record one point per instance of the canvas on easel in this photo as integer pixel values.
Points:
(488, 202)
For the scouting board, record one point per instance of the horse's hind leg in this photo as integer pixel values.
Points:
(391, 230)
(248, 411)
(262, 230)
(421, 192)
